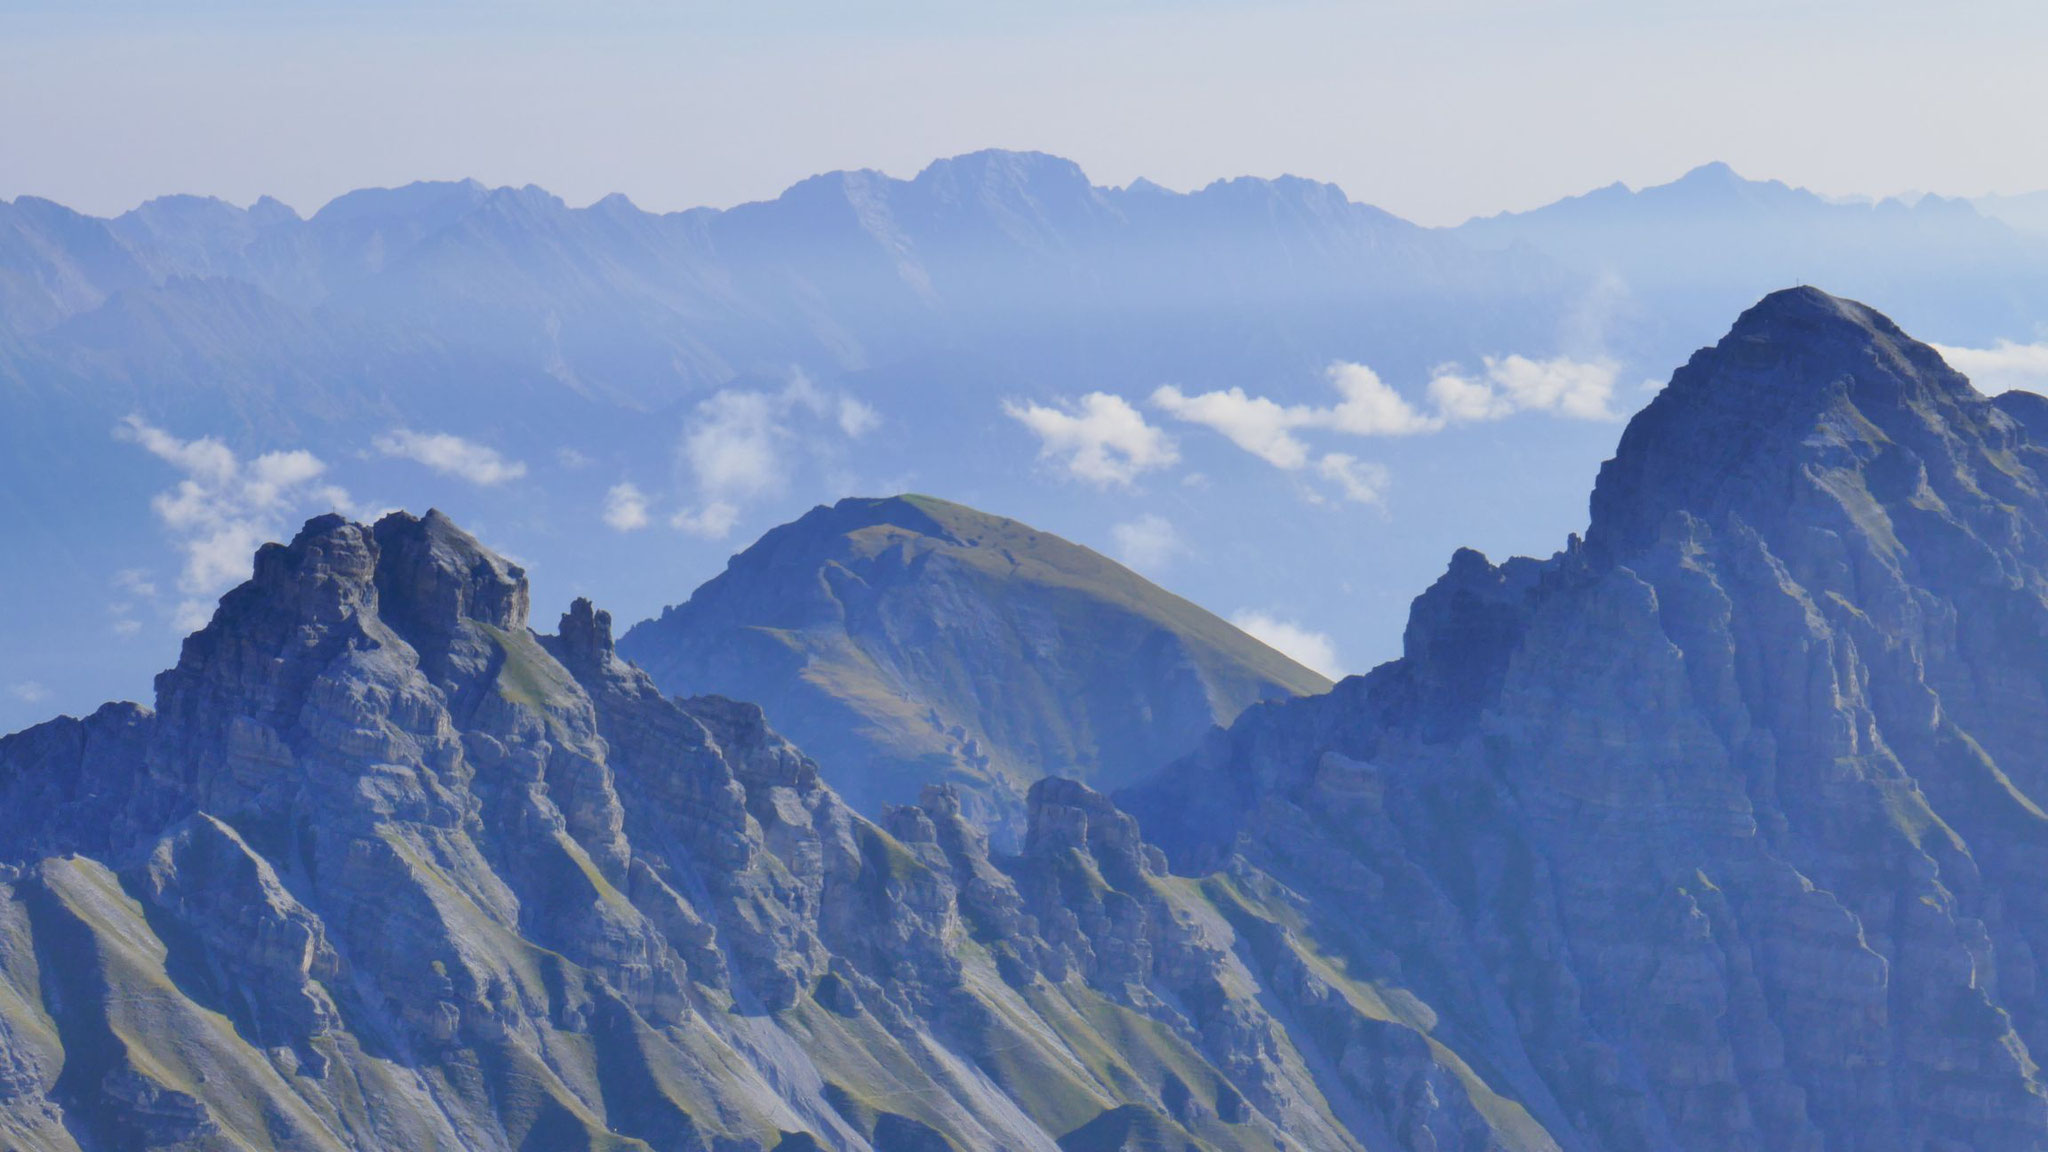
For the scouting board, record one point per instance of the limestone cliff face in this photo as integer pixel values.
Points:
(386, 869)
(1723, 829)
(910, 640)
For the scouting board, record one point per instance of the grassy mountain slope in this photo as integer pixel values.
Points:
(907, 640)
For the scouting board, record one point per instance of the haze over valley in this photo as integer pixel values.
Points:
(1210, 387)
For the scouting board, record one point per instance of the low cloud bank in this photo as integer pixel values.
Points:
(2003, 367)
(1105, 440)
(1306, 647)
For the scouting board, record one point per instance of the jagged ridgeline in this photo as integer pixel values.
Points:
(1719, 832)
(912, 640)
(1723, 830)
(386, 869)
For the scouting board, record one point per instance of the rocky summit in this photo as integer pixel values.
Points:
(910, 640)
(385, 869)
(1721, 830)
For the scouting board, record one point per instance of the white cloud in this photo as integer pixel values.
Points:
(2002, 367)
(732, 446)
(625, 508)
(451, 456)
(136, 582)
(1103, 439)
(714, 521)
(734, 449)
(1369, 407)
(29, 692)
(1148, 543)
(1561, 386)
(739, 445)
(857, 419)
(1466, 401)
(1308, 648)
(1366, 406)
(573, 460)
(1253, 423)
(192, 615)
(135, 586)
(222, 510)
(1359, 481)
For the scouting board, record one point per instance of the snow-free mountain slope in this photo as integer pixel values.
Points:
(909, 640)
(387, 870)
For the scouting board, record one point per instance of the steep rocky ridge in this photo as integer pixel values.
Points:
(1719, 830)
(1722, 829)
(910, 640)
(386, 869)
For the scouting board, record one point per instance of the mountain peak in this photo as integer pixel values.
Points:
(1803, 379)
(1806, 664)
(431, 572)
(339, 586)
(908, 510)
(1712, 172)
(585, 635)
(907, 638)
(990, 164)
(1806, 306)
(328, 897)
(433, 199)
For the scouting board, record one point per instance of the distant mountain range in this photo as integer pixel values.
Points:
(1711, 241)
(1721, 828)
(2027, 211)
(562, 378)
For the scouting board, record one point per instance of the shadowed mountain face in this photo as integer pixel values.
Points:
(1724, 829)
(911, 640)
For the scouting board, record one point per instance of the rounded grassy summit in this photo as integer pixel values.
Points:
(910, 639)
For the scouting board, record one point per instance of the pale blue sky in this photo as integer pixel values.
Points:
(1433, 110)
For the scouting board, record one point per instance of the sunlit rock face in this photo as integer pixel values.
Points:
(1721, 829)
